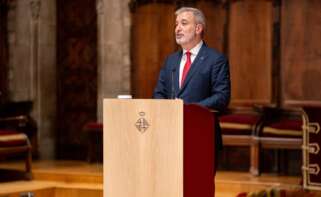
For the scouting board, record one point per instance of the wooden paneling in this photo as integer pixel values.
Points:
(216, 16)
(301, 52)
(249, 33)
(250, 51)
(152, 40)
(76, 74)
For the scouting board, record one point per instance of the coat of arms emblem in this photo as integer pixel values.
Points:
(142, 124)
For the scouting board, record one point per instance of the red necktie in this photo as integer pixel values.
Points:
(187, 66)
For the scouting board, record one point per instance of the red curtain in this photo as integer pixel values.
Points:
(76, 75)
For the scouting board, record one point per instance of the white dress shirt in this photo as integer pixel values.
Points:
(194, 51)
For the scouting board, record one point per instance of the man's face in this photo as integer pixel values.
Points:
(186, 29)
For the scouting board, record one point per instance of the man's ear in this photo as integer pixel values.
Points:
(199, 28)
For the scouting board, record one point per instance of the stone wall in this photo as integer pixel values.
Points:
(32, 59)
(114, 50)
(32, 55)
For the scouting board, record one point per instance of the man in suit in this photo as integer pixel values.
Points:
(197, 74)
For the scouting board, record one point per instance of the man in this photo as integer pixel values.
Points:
(197, 74)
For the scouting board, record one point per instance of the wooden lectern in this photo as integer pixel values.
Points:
(157, 148)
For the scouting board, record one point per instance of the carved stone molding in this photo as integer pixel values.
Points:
(35, 6)
(100, 7)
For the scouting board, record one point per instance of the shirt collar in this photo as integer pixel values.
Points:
(195, 50)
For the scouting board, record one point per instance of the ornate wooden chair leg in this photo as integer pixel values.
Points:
(28, 163)
(255, 158)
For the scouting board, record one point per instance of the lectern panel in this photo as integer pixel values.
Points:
(143, 148)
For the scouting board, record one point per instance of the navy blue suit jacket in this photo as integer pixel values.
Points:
(207, 82)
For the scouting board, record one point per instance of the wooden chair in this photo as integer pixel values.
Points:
(94, 131)
(16, 130)
(238, 129)
(311, 148)
(13, 143)
(15, 116)
(280, 129)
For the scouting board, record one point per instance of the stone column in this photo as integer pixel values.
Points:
(32, 65)
(45, 102)
(114, 50)
(35, 6)
(19, 50)
(43, 73)
(101, 46)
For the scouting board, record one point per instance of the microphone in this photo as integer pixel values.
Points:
(172, 84)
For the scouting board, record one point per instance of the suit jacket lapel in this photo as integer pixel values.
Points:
(176, 73)
(195, 66)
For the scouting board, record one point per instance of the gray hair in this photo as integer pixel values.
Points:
(198, 14)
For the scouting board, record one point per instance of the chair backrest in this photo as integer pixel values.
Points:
(15, 108)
